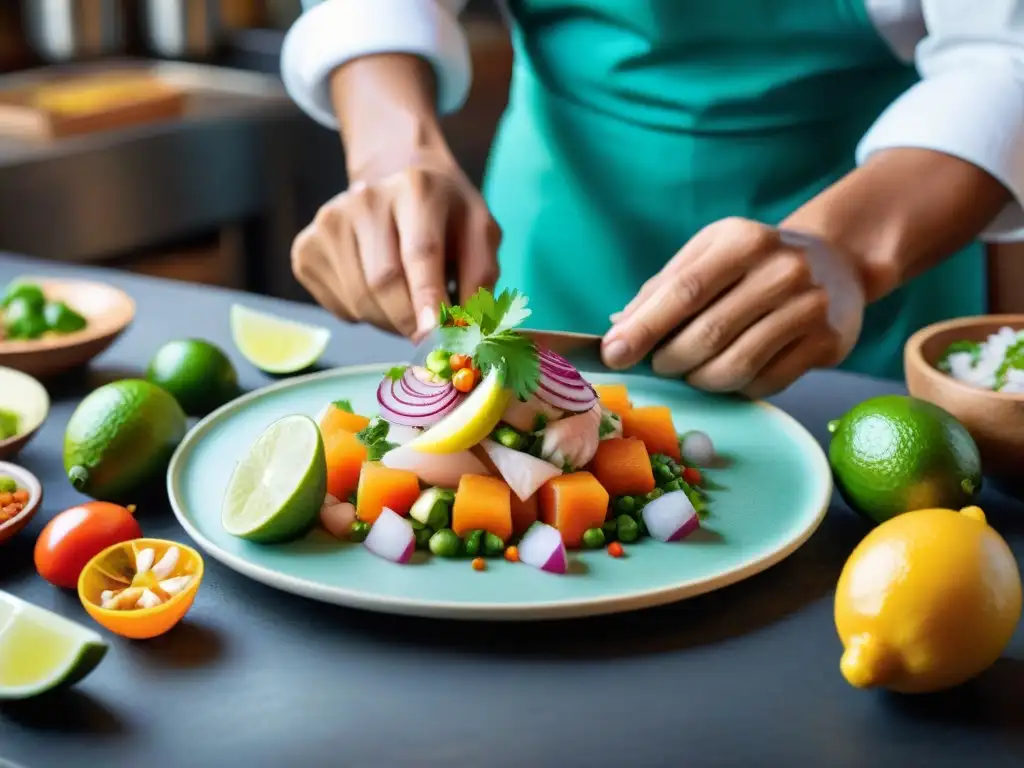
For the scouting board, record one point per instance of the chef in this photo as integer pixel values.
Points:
(742, 189)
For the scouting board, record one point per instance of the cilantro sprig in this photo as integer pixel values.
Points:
(375, 437)
(485, 329)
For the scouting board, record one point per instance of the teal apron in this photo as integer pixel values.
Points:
(632, 125)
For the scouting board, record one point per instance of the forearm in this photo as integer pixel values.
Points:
(386, 110)
(901, 213)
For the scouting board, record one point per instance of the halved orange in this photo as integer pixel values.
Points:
(141, 588)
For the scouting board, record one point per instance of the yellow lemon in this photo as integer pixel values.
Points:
(474, 419)
(926, 601)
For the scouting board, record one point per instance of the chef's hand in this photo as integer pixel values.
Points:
(744, 308)
(378, 251)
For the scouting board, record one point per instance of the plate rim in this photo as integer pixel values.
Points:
(476, 611)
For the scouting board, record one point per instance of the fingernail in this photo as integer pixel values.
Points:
(616, 353)
(427, 320)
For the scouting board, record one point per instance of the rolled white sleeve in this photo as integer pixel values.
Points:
(970, 100)
(332, 32)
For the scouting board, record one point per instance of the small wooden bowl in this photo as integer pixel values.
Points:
(107, 311)
(994, 419)
(30, 483)
(26, 397)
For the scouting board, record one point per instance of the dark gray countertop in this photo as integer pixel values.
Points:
(747, 676)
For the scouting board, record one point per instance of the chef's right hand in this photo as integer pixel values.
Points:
(378, 252)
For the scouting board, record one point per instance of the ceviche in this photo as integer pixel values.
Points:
(494, 447)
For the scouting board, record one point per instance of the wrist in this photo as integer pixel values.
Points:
(901, 213)
(386, 113)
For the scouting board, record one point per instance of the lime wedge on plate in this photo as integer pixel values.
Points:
(274, 344)
(474, 419)
(40, 651)
(277, 489)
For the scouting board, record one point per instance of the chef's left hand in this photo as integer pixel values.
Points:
(744, 308)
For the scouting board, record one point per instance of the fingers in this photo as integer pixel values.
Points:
(313, 270)
(679, 293)
(743, 361)
(372, 222)
(420, 219)
(811, 352)
(477, 255)
(765, 288)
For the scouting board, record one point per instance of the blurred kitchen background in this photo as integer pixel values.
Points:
(154, 136)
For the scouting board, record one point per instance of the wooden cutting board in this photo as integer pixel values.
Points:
(89, 103)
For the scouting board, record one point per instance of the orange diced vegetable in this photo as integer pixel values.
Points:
(345, 455)
(653, 424)
(482, 504)
(573, 503)
(381, 486)
(614, 397)
(524, 514)
(339, 420)
(623, 466)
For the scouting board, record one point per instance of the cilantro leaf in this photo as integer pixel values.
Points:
(343, 405)
(973, 348)
(396, 373)
(461, 340)
(518, 355)
(374, 437)
(1014, 359)
(512, 309)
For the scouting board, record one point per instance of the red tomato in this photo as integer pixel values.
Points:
(76, 535)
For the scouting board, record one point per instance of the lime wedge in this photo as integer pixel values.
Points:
(40, 651)
(276, 491)
(274, 344)
(471, 422)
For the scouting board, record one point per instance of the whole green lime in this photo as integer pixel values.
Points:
(894, 454)
(120, 439)
(197, 373)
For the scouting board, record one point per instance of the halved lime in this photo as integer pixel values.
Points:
(40, 651)
(274, 344)
(276, 491)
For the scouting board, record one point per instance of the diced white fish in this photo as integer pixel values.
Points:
(400, 434)
(337, 519)
(165, 567)
(523, 415)
(176, 585)
(144, 560)
(126, 598)
(572, 442)
(523, 473)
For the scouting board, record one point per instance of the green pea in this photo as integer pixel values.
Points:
(627, 528)
(423, 536)
(473, 542)
(7, 484)
(509, 437)
(624, 504)
(675, 485)
(655, 494)
(659, 458)
(641, 526)
(610, 529)
(593, 538)
(445, 543)
(493, 545)
(359, 531)
(438, 364)
(662, 473)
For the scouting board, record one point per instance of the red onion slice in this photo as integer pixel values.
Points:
(411, 410)
(562, 386)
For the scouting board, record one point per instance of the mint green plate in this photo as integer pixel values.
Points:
(775, 494)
